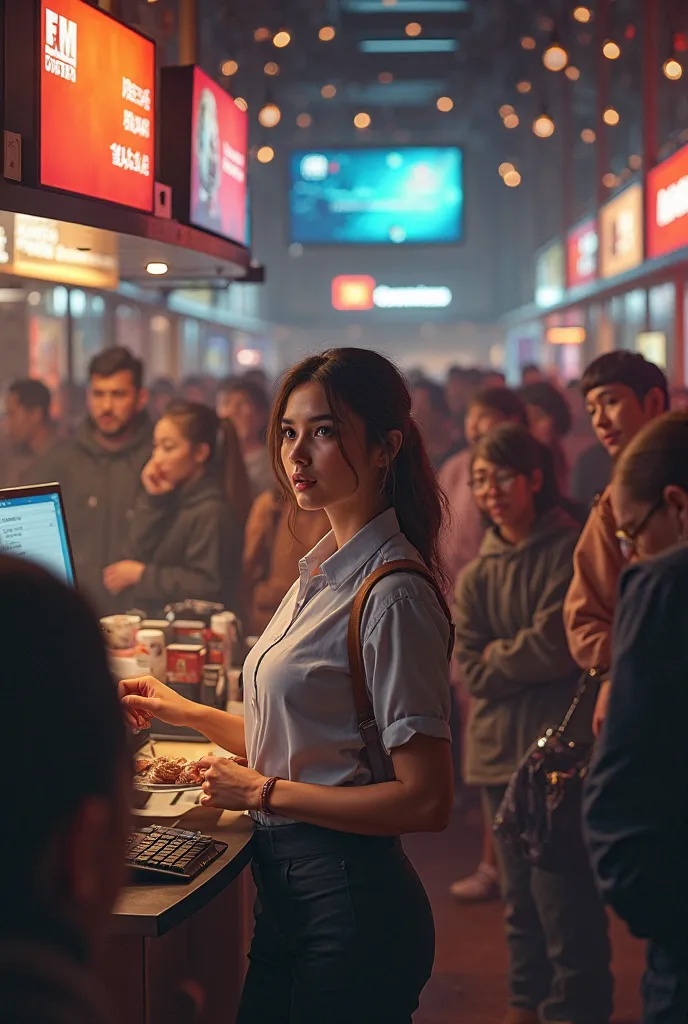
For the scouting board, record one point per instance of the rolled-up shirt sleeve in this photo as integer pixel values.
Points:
(405, 641)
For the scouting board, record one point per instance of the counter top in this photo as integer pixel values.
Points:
(148, 911)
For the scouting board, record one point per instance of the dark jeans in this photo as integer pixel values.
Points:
(556, 931)
(344, 931)
(664, 988)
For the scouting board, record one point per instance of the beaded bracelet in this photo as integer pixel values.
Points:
(267, 789)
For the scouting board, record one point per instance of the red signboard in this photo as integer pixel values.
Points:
(667, 205)
(353, 292)
(219, 139)
(581, 254)
(97, 105)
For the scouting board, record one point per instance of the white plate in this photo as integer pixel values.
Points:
(150, 787)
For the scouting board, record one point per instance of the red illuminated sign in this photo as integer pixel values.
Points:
(97, 105)
(219, 139)
(667, 205)
(351, 292)
(581, 254)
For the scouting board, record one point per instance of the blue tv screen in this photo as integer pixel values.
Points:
(411, 195)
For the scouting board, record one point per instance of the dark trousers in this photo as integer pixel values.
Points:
(556, 931)
(664, 988)
(344, 931)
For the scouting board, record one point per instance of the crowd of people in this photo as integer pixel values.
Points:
(554, 521)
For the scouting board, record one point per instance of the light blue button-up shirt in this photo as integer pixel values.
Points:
(301, 721)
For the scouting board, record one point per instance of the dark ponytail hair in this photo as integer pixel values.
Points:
(512, 446)
(374, 389)
(199, 424)
(656, 458)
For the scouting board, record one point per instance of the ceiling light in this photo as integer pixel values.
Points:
(555, 57)
(328, 91)
(270, 115)
(635, 162)
(271, 68)
(505, 110)
(511, 121)
(504, 168)
(611, 116)
(523, 87)
(362, 120)
(572, 73)
(543, 126)
(241, 103)
(609, 180)
(327, 34)
(265, 154)
(528, 43)
(588, 135)
(673, 69)
(385, 77)
(512, 179)
(413, 29)
(611, 50)
(582, 14)
(445, 104)
(157, 269)
(230, 67)
(304, 120)
(281, 39)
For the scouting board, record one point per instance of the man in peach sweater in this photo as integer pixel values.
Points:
(623, 392)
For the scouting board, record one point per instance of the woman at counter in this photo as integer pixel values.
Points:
(344, 929)
(186, 534)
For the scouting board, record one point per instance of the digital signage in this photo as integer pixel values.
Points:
(667, 205)
(411, 195)
(359, 292)
(97, 131)
(582, 244)
(51, 250)
(550, 275)
(219, 147)
(621, 232)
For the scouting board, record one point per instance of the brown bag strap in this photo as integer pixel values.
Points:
(362, 701)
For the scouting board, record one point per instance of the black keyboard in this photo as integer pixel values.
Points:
(171, 854)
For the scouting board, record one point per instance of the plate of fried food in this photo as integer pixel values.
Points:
(166, 774)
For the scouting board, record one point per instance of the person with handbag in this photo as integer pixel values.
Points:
(346, 698)
(636, 800)
(512, 652)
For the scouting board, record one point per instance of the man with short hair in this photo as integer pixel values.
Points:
(100, 469)
(64, 833)
(431, 413)
(623, 392)
(30, 430)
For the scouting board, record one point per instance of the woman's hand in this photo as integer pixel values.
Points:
(146, 697)
(121, 575)
(230, 785)
(155, 484)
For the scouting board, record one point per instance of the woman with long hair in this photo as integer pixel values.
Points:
(637, 802)
(512, 652)
(344, 930)
(186, 534)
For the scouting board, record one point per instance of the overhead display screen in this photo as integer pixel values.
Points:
(97, 105)
(411, 195)
(219, 139)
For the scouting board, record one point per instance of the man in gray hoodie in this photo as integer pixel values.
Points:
(100, 469)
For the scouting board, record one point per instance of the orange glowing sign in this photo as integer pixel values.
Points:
(97, 105)
(351, 293)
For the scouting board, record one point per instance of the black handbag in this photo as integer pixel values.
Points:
(540, 815)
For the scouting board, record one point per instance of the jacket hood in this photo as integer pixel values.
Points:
(206, 488)
(556, 521)
(140, 436)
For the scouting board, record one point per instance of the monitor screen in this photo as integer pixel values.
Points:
(411, 195)
(32, 526)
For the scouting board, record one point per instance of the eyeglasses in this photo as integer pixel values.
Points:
(503, 480)
(628, 542)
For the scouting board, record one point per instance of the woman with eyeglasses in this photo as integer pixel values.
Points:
(636, 807)
(512, 651)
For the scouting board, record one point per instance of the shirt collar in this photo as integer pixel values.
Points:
(338, 565)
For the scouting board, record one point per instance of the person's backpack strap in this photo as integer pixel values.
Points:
(367, 726)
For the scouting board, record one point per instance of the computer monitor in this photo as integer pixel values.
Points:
(33, 526)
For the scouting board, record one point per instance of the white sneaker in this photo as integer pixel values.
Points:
(479, 887)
